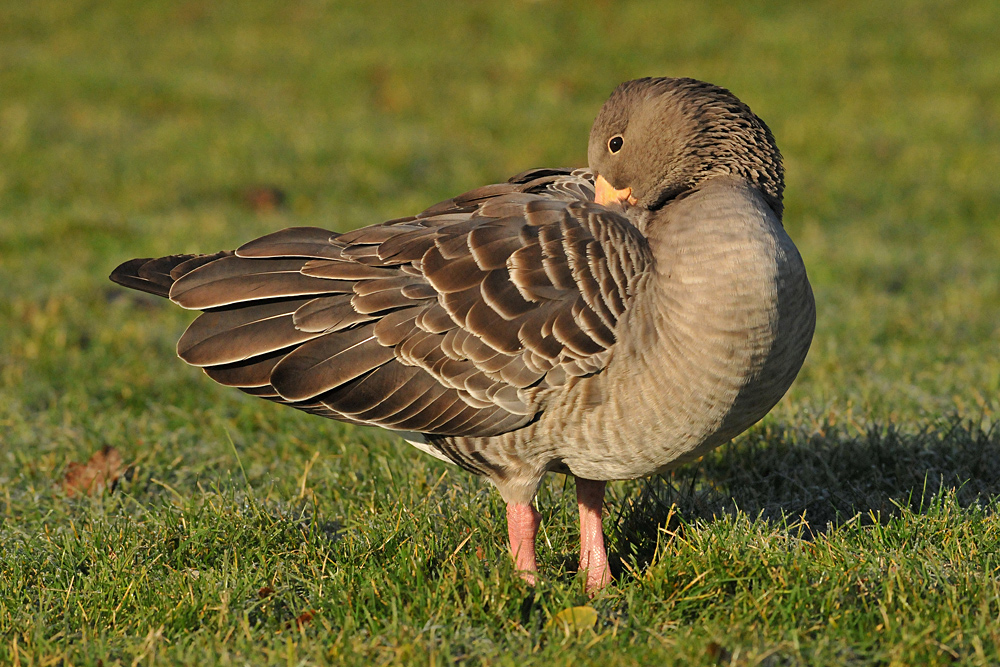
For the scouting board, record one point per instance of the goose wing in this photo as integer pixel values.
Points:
(455, 321)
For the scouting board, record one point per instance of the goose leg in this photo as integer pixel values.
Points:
(593, 557)
(522, 527)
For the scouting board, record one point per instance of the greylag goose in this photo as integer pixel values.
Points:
(608, 323)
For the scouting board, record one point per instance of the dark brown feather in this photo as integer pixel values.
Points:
(292, 242)
(451, 275)
(232, 280)
(156, 275)
(328, 314)
(255, 372)
(377, 302)
(380, 393)
(227, 336)
(327, 362)
(449, 322)
(195, 262)
(126, 274)
(343, 270)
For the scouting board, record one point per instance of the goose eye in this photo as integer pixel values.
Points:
(615, 144)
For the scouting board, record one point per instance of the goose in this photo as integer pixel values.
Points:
(608, 323)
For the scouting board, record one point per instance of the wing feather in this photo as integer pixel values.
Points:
(451, 322)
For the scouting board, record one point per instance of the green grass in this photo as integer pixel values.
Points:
(857, 524)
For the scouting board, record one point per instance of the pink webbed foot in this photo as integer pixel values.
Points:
(522, 527)
(593, 556)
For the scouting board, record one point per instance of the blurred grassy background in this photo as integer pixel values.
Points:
(134, 128)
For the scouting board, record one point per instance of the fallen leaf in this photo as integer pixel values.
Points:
(574, 619)
(304, 618)
(265, 592)
(390, 90)
(99, 473)
(263, 198)
(718, 653)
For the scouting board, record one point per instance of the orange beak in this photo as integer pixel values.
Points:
(606, 194)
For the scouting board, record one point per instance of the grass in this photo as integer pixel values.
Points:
(857, 524)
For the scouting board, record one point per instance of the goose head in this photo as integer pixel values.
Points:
(657, 139)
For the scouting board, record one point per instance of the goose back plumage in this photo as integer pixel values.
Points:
(453, 322)
(524, 327)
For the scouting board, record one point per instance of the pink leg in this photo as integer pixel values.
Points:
(593, 557)
(522, 527)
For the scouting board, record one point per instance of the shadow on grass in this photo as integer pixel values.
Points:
(822, 480)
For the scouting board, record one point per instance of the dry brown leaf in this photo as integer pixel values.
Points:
(718, 653)
(93, 477)
(263, 198)
(304, 617)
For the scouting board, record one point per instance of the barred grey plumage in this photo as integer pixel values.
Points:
(524, 327)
